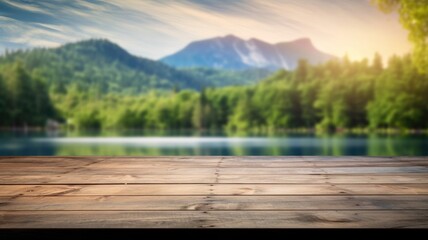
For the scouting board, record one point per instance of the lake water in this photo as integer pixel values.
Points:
(197, 143)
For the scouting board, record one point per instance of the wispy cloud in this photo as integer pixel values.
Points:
(154, 28)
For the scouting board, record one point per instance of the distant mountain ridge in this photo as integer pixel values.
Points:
(233, 53)
(101, 64)
(108, 68)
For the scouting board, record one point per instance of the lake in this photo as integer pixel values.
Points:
(155, 143)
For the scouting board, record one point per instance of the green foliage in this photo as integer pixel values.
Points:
(335, 95)
(100, 65)
(104, 67)
(4, 103)
(211, 77)
(401, 96)
(88, 119)
(24, 100)
(414, 17)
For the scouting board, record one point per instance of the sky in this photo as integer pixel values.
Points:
(156, 28)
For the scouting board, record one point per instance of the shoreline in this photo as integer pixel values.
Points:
(225, 131)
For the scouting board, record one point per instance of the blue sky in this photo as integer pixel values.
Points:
(154, 29)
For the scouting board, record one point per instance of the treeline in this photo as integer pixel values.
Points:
(105, 67)
(98, 64)
(337, 94)
(24, 100)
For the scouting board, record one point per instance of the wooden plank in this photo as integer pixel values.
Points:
(213, 203)
(322, 158)
(25, 166)
(213, 219)
(100, 171)
(51, 160)
(214, 189)
(315, 164)
(253, 171)
(5, 166)
(337, 170)
(38, 171)
(207, 159)
(424, 158)
(274, 179)
(223, 171)
(72, 160)
(106, 179)
(326, 178)
(89, 159)
(214, 158)
(115, 164)
(302, 189)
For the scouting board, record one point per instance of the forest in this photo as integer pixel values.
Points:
(339, 94)
(98, 85)
(103, 65)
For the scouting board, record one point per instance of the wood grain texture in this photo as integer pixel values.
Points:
(206, 192)
(213, 189)
(214, 219)
(259, 178)
(210, 171)
(212, 203)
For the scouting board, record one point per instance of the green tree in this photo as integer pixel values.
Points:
(377, 65)
(4, 103)
(301, 72)
(43, 107)
(129, 119)
(414, 17)
(88, 119)
(24, 100)
(21, 89)
(203, 112)
(400, 97)
(244, 114)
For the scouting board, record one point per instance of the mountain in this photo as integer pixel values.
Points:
(100, 64)
(106, 67)
(231, 52)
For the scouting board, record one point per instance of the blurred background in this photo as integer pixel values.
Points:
(197, 77)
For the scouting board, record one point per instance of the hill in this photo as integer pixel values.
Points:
(105, 67)
(233, 53)
(99, 64)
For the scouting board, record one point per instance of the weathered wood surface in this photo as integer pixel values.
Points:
(213, 192)
(212, 219)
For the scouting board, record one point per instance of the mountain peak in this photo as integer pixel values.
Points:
(232, 52)
(301, 42)
(91, 47)
(91, 42)
(230, 36)
(256, 40)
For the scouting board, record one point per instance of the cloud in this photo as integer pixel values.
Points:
(155, 28)
(24, 7)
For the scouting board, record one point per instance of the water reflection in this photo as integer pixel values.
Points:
(150, 143)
